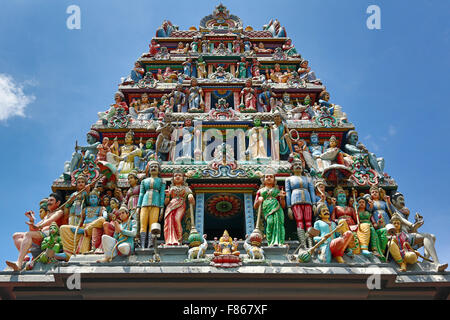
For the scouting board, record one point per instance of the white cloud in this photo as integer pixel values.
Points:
(392, 131)
(13, 100)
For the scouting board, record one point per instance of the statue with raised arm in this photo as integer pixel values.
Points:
(37, 231)
(88, 152)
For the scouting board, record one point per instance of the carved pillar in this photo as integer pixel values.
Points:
(207, 101)
(249, 216)
(233, 69)
(199, 212)
(236, 100)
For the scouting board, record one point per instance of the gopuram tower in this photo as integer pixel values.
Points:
(224, 163)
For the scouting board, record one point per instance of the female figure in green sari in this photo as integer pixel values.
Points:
(272, 200)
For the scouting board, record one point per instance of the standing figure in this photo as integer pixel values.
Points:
(179, 98)
(201, 68)
(257, 136)
(103, 149)
(248, 97)
(247, 45)
(187, 68)
(272, 200)
(175, 202)
(151, 201)
(381, 207)
(316, 151)
(237, 45)
(300, 197)
(195, 98)
(122, 242)
(241, 67)
(148, 152)
(132, 195)
(164, 143)
(264, 97)
(77, 201)
(194, 45)
(282, 138)
(367, 235)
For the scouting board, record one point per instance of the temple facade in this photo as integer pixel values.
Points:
(224, 163)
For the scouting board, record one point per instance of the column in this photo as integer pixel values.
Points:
(249, 216)
(199, 212)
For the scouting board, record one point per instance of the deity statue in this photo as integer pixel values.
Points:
(205, 46)
(122, 242)
(86, 236)
(148, 152)
(257, 136)
(74, 206)
(302, 111)
(137, 73)
(300, 197)
(187, 68)
(380, 206)
(325, 227)
(241, 68)
(332, 155)
(175, 203)
(132, 195)
(276, 75)
(147, 110)
(264, 97)
(118, 109)
(154, 47)
(89, 152)
(237, 45)
(289, 49)
(113, 215)
(367, 235)
(342, 210)
(261, 49)
(180, 49)
(195, 97)
(316, 151)
(51, 246)
(151, 202)
(179, 98)
(356, 150)
(103, 149)
(282, 137)
(305, 72)
(248, 97)
(168, 75)
(194, 45)
(247, 45)
(201, 68)
(164, 143)
(37, 231)
(271, 201)
(128, 153)
(418, 239)
(226, 245)
(400, 244)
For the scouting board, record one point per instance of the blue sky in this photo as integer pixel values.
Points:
(392, 83)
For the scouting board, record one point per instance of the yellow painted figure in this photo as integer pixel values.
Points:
(399, 245)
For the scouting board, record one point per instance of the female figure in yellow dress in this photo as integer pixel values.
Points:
(127, 154)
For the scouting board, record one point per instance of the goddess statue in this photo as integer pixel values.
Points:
(175, 202)
(248, 97)
(271, 200)
(195, 98)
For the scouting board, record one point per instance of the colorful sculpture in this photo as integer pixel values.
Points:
(195, 97)
(175, 202)
(150, 202)
(122, 243)
(271, 201)
(300, 197)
